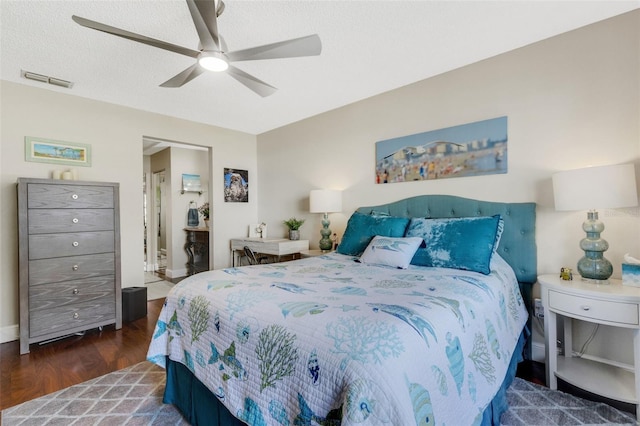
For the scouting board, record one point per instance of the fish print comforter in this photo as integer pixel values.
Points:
(328, 341)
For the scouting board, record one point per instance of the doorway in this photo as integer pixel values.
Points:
(166, 203)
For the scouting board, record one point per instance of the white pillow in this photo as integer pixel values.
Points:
(388, 251)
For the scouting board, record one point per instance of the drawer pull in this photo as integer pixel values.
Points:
(74, 267)
(76, 291)
(76, 315)
(75, 244)
(585, 307)
(75, 220)
(74, 196)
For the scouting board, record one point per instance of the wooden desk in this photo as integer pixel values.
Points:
(197, 248)
(275, 247)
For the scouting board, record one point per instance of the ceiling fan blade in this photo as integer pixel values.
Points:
(223, 44)
(260, 87)
(184, 77)
(303, 46)
(135, 37)
(203, 13)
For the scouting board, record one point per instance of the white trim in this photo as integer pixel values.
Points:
(537, 352)
(9, 333)
(175, 273)
(151, 267)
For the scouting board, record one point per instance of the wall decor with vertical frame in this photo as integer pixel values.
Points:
(236, 186)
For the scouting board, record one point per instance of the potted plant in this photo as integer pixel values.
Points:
(204, 211)
(294, 227)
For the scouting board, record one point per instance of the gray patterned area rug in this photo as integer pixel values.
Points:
(133, 396)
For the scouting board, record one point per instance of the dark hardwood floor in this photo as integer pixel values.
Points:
(57, 365)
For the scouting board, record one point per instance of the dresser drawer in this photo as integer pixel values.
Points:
(72, 244)
(43, 271)
(55, 196)
(47, 221)
(70, 317)
(52, 296)
(599, 310)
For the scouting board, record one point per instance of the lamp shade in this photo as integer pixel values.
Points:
(325, 201)
(605, 187)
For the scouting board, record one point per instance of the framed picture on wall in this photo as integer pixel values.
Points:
(471, 149)
(191, 183)
(41, 150)
(236, 186)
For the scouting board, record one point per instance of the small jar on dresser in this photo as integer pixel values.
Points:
(69, 253)
(610, 304)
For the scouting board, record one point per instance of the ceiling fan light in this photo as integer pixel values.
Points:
(213, 62)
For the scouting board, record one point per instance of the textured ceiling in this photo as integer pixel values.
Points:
(369, 47)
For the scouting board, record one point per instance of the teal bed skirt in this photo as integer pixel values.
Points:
(200, 407)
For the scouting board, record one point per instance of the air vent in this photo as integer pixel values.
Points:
(46, 79)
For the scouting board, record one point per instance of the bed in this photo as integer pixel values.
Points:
(418, 318)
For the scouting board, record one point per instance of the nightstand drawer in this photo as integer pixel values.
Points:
(600, 310)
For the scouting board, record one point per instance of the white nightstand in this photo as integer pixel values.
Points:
(614, 305)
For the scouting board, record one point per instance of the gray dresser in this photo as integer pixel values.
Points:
(69, 249)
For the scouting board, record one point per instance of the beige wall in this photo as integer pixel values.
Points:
(115, 134)
(571, 101)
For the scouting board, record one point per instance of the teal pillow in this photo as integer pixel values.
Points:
(361, 228)
(462, 243)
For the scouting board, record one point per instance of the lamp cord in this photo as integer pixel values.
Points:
(588, 341)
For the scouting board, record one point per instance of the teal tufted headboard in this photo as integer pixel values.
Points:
(518, 243)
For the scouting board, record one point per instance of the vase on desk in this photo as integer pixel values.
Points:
(294, 234)
(206, 223)
(192, 216)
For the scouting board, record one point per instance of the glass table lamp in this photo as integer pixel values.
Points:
(325, 201)
(607, 187)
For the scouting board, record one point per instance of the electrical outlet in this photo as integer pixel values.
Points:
(538, 311)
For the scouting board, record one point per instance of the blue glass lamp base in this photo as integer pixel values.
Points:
(325, 243)
(596, 271)
(593, 267)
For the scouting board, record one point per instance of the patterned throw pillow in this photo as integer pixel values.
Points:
(361, 228)
(387, 251)
(461, 243)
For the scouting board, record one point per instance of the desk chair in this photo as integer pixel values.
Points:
(252, 258)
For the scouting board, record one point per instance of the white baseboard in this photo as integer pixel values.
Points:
(9, 333)
(537, 352)
(175, 273)
(150, 267)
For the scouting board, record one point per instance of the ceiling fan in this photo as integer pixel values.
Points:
(213, 54)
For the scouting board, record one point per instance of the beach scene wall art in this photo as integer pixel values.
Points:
(471, 149)
(57, 152)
